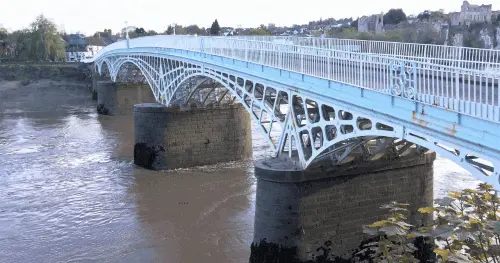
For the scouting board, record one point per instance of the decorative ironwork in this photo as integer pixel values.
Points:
(403, 79)
(297, 122)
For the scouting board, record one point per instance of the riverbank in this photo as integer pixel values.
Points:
(34, 85)
(17, 71)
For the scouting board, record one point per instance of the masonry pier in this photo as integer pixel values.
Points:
(311, 212)
(119, 98)
(95, 79)
(170, 137)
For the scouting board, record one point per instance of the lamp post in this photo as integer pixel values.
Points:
(126, 34)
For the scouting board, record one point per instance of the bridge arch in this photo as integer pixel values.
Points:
(230, 86)
(166, 82)
(378, 129)
(114, 66)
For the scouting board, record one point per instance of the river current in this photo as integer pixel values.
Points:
(69, 191)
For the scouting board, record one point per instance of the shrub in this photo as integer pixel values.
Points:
(466, 229)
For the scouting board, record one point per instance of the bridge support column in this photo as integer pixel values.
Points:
(308, 212)
(106, 97)
(170, 138)
(95, 79)
(119, 98)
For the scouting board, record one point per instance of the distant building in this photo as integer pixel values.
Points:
(373, 23)
(75, 56)
(79, 47)
(95, 45)
(495, 14)
(75, 41)
(471, 14)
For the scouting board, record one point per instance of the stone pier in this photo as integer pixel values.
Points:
(170, 138)
(119, 98)
(95, 79)
(309, 212)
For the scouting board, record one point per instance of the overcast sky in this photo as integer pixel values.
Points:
(88, 16)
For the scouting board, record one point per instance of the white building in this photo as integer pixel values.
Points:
(93, 50)
(89, 52)
(470, 14)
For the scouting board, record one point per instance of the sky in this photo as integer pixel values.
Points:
(89, 16)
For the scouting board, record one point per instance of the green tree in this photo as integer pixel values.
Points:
(193, 30)
(170, 30)
(45, 41)
(271, 27)
(4, 41)
(180, 30)
(426, 15)
(259, 32)
(394, 16)
(140, 31)
(355, 23)
(3, 34)
(133, 34)
(348, 32)
(21, 41)
(215, 28)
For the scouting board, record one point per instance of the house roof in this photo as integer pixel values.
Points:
(96, 41)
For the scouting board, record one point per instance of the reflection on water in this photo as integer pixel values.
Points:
(69, 192)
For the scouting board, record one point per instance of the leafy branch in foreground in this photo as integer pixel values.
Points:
(465, 229)
(394, 237)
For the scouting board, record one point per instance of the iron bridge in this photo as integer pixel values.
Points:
(334, 100)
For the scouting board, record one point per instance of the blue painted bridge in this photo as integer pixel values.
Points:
(335, 100)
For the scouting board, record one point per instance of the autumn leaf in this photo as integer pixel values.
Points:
(442, 252)
(470, 191)
(410, 236)
(474, 221)
(427, 210)
(380, 223)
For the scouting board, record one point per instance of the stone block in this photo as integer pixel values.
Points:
(302, 214)
(116, 99)
(187, 136)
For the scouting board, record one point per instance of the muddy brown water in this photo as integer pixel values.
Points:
(69, 191)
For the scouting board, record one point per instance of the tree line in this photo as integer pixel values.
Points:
(215, 29)
(40, 41)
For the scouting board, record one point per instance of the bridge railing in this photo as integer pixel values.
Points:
(470, 91)
(472, 58)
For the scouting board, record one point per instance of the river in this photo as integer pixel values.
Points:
(69, 191)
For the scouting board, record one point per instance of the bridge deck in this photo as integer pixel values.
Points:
(461, 103)
(462, 57)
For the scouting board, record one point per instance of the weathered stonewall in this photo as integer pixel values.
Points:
(309, 212)
(120, 98)
(170, 138)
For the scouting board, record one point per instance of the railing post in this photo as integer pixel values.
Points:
(457, 91)
(262, 53)
(391, 76)
(361, 62)
(246, 50)
(301, 60)
(280, 59)
(328, 66)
